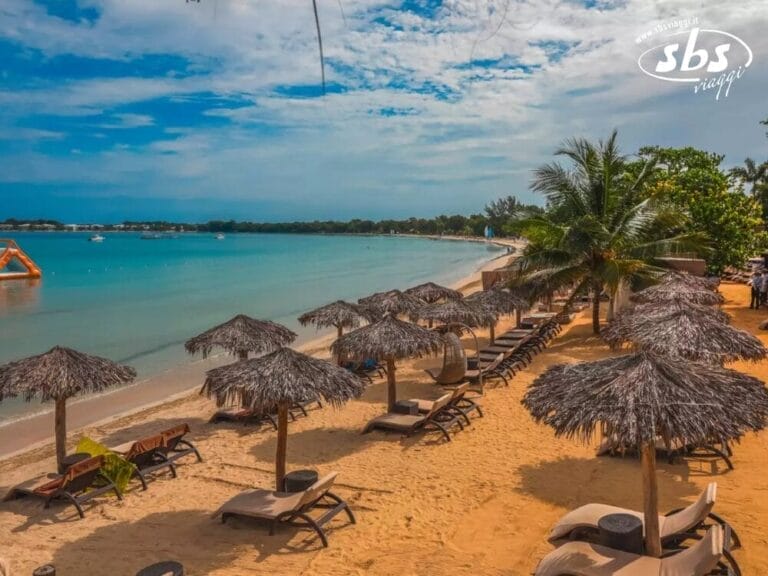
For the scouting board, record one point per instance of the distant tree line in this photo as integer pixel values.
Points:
(499, 214)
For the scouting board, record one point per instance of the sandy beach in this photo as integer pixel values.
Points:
(481, 504)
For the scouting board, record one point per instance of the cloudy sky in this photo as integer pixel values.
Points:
(115, 109)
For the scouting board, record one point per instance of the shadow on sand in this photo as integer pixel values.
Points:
(571, 482)
(210, 545)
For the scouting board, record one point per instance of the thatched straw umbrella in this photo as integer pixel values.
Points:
(388, 339)
(392, 302)
(455, 311)
(619, 330)
(698, 282)
(499, 301)
(278, 380)
(678, 291)
(430, 293)
(57, 375)
(338, 314)
(685, 331)
(241, 335)
(641, 396)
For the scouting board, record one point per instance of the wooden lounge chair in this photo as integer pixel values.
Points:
(675, 527)
(292, 508)
(80, 483)
(454, 362)
(704, 450)
(438, 418)
(302, 406)
(585, 559)
(176, 446)
(147, 456)
(479, 374)
(459, 403)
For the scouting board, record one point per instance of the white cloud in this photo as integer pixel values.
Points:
(452, 154)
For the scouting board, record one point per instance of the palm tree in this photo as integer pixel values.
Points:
(600, 228)
(751, 173)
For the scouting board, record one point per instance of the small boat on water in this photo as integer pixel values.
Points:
(220, 236)
(96, 238)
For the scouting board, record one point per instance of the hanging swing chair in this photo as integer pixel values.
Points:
(454, 366)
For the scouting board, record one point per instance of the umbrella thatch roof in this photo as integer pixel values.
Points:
(640, 396)
(671, 290)
(283, 376)
(458, 311)
(699, 282)
(241, 334)
(430, 292)
(689, 331)
(337, 314)
(499, 300)
(387, 338)
(392, 302)
(619, 330)
(61, 373)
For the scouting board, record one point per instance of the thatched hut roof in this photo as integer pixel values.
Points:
(392, 302)
(499, 300)
(337, 314)
(430, 293)
(687, 332)
(241, 334)
(283, 376)
(685, 290)
(61, 373)
(640, 396)
(387, 338)
(458, 311)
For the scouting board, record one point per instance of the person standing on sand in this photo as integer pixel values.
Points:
(755, 282)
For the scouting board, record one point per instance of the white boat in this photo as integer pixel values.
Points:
(96, 238)
(220, 236)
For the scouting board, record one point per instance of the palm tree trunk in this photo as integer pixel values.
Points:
(60, 426)
(282, 445)
(597, 287)
(611, 312)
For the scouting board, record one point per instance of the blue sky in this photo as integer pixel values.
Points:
(113, 110)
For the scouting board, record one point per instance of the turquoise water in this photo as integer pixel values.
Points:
(136, 301)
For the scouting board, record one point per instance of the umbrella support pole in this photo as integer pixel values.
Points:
(492, 333)
(60, 427)
(391, 385)
(282, 445)
(650, 500)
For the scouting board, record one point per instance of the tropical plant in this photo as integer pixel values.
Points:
(600, 227)
(692, 181)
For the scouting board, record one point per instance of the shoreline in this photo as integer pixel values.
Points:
(31, 432)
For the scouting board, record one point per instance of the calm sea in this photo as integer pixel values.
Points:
(136, 301)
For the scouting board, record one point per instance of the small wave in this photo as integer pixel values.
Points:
(150, 351)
